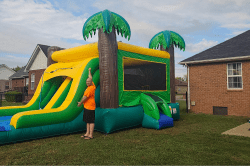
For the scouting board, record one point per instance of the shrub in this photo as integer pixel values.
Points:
(12, 96)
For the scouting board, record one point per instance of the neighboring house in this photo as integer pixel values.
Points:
(181, 88)
(219, 78)
(35, 68)
(5, 73)
(20, 80)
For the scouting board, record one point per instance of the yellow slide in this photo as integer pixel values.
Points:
(73, 70)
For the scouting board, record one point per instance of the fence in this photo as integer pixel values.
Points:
(22, 89)
(13, 99)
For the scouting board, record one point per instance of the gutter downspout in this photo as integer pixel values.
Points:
(188, 87)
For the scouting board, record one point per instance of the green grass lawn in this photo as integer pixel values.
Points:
(6, 103)
(195, 139)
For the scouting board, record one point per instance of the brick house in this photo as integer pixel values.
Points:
(20, 80)
(219, 78)
(35, 68)
(5, 73)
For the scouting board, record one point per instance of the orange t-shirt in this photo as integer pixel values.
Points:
(89, 103)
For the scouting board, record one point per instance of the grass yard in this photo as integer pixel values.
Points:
(6, 103)
(195, 139)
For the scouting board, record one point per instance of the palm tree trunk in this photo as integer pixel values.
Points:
(170, 50)
(107, 47)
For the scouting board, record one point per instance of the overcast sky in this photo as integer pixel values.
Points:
(202, 24)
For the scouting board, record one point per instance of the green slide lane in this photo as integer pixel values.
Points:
(63, 96)
(48, 86)
(71, 111)
(153, 104)
(164, 108)
(56, 84)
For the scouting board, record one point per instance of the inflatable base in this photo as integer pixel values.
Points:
(110, 120)
(163, 122)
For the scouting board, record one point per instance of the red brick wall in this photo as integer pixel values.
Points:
(17, 83)
(208, 88)
(38, 75)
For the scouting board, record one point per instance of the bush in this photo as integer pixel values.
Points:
(13, 96)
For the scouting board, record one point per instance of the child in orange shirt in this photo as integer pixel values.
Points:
(89, 107)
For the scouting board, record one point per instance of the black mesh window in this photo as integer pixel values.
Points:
(150, 76)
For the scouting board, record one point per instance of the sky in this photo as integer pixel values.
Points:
(202, 24)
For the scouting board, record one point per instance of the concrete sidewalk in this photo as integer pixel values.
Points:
(242, 130)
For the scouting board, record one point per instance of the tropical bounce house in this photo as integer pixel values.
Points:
(133, 86)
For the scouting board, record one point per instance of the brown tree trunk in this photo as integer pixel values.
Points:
(170, 50)
(107, 47)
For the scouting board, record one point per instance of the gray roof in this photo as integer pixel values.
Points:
(44, 49)
(20, 74)
(236, 47)
(180, 83)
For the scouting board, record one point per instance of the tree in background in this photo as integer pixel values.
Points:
(107, 22)
(178, 78)
(16, 68)
(167, 40)
(185, 77)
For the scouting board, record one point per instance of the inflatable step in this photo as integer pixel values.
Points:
(153, 105)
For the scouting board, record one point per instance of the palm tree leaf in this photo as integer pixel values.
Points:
(117, 30)
(120, 24)
(166, 39)
(106, 14)
(160, 38)
(177, 40)
(94, 22)
(106, 20)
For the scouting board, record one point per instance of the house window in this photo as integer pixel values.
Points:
(32, 81)
(27, 81)
(234, 76)
(7, 86)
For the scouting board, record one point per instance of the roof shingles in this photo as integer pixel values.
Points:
(20, 73)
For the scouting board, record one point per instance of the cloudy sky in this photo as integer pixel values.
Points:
(202, 24)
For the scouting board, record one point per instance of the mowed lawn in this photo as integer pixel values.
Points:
(6, 103)
(195, 139)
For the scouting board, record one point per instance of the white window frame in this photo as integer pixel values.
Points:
(32, 80)
(234, 76)
(27, 81)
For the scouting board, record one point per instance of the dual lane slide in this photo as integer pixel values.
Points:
(59, 113)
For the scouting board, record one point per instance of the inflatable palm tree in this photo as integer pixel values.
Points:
(107, 22)
(167, 40)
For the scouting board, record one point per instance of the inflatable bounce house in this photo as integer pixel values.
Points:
(143, 84)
